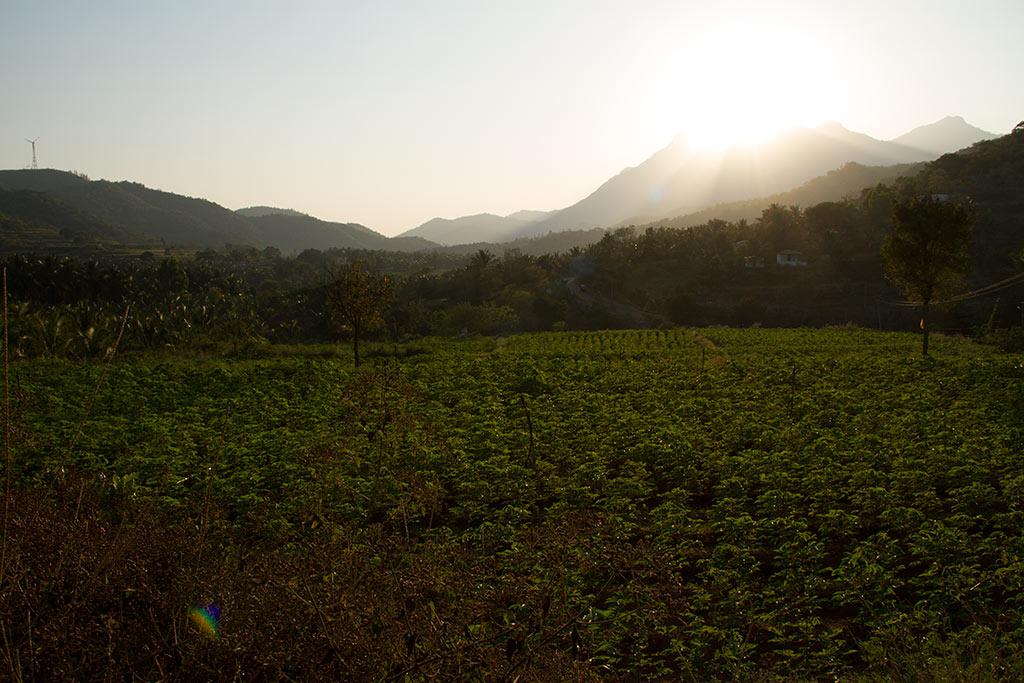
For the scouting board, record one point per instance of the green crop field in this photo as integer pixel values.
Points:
(691, 504)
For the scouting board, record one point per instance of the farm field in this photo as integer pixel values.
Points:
(682, 504)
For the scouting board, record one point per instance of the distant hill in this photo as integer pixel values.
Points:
(136, 212)
(944, 136)
(484, 227)
(41, 211)
(529, 216)
(35, 222)
(258, 211)
(157, 215)
(847, 181)
(291, 233)
(551, 243)
(680, 179)
(991, 174)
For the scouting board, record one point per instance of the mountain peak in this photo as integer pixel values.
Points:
(259, 211)
(948, 134)
(833, 127)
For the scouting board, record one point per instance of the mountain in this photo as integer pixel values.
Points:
(680, 179)
(944, 136)
(259, 211)
(529, 216)
(39, 210)
(551, 243)
(291, 233)
(141, 213)
(484, 227)
(991, 174)
(697, 276)
(157, 215)
(34, 221)
(846, 181)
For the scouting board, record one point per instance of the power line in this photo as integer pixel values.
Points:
(983, 291)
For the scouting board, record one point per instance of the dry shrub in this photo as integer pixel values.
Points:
(98, 586)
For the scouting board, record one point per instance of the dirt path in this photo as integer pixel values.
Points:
(711, 350)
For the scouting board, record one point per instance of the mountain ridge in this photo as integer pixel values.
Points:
(678, 179)
(676, 182)
(938, 137)
(168, 218)
(482, 227)
(261, 210)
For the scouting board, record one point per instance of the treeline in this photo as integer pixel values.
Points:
(791, 266)
(816, 266)
(788, 267)
(64, 306)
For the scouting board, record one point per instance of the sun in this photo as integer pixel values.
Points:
(743, 86)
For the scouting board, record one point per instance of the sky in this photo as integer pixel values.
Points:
(390, 113)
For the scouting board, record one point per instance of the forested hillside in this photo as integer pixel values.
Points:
(35, 222)
(845, 182)
(168, 219)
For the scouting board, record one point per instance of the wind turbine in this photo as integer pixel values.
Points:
(33, 143)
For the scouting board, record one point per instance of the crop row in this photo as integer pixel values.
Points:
(792, 501)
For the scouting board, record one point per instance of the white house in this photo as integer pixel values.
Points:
(790, 258)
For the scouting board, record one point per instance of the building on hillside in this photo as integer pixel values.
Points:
(789, 258)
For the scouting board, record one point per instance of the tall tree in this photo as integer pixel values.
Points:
(926, 253)
(355, 300)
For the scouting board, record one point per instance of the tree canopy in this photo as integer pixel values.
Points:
(926, 254)
(356, 300)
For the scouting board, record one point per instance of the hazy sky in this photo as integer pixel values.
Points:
(390, 113)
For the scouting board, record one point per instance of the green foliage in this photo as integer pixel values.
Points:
(356, 300)
(846, 181)
(926, 254)
(636, 504)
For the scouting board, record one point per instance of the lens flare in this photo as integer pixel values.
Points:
(207, 618)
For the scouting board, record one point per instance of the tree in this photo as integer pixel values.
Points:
(355, 300)
(926, 253)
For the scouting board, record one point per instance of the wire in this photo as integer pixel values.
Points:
(983, 291)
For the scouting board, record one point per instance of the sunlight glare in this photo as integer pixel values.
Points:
(742, 87)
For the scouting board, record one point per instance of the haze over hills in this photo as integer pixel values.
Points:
(292, 233)
(276, 226)
(679, 179)
(846, 181)
(678, 185)
(143, 214)
(258, 211)
(484, 227)
(946, 135)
